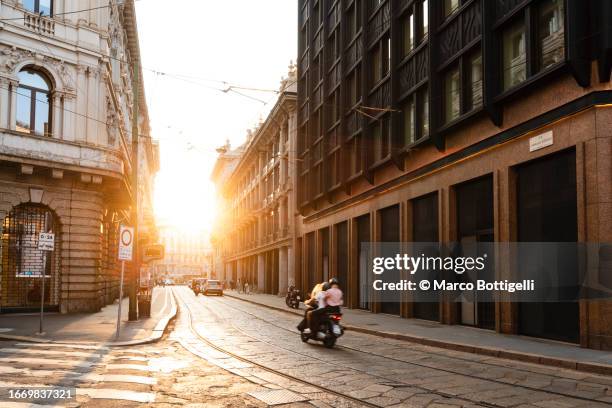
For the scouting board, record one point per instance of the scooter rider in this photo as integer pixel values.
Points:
(311, 304)
(331, 300)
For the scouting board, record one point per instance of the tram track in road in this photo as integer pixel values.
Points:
(220, 349)
(430, 367)
(385, 380)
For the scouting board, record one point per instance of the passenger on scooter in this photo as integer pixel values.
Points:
(311, 304)
(331, 300)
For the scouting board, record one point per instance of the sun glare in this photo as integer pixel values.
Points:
(191, 213)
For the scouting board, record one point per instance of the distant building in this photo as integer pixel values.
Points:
(187, 254)
(224, 166)
(66, 107)
(255, 238)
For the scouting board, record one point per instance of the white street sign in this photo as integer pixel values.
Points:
(46, 241)
(126, 243)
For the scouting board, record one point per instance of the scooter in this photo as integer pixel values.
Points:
(330, 328)
(293, 298)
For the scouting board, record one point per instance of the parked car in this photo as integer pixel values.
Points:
(213, 286)
(197, 285)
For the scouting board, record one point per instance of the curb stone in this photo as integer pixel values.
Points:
(156, 334)
(589, 367)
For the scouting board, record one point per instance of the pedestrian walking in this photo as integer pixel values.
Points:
(239, 285)
(247, 291)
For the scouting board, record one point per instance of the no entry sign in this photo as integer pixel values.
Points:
(126, 243)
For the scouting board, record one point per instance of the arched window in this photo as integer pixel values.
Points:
(42, 7)
(34, 103)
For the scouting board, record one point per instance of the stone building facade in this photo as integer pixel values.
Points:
(459, 121)
(226, 163)
(258, 237)
(186, 254)
(65, 149)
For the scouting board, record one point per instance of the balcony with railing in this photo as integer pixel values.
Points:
(39, 23)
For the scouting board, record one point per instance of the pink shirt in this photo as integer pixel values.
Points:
(333, 297)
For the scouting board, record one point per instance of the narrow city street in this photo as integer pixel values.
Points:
(377, 371)
(221, 351)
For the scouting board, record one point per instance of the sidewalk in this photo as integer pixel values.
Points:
(97, 327)
(460, 338)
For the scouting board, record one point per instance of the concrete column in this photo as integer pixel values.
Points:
(240, 269)
(5, 101)
(12, 119)
(81, 104)
(57, 117)
(290, 266)
(261, 273)
(283, 215)
(283, 269)
(260, 230)
(93, 87)
(230, 272)
(69, 118)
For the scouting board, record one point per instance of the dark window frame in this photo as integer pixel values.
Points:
(32, 96)
(463, 63)
(419, 97)
(37, 8)
(529, 14)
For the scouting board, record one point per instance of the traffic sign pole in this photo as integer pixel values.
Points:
(42, 295)
(46, 243)
(120, 300)
(126, 245)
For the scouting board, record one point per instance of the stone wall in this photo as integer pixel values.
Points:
(88, 271)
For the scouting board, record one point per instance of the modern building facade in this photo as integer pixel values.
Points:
(455, 121)
(66, 107)
(258, 238)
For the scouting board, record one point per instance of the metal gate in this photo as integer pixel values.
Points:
(23, 264)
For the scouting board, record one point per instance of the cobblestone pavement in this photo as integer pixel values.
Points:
(163, 374)
(387, 372)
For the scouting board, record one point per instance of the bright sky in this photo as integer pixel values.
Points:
(243, 42)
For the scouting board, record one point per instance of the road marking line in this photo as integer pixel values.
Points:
(135, 379)
(26, 405)
(130, 358)
(74, 376)
(47, 361)
(8, 384)
(50, 352)
(130, 351)
(63, 345)
(111, 393)
(31, 373)
(138, 367)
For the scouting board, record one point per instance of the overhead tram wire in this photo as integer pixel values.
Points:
(63, 13)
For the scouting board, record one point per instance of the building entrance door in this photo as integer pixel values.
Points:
(389, 232)
(425, 230)
(475, 225)
(363, 236)
(23, 265)
(547, 212)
